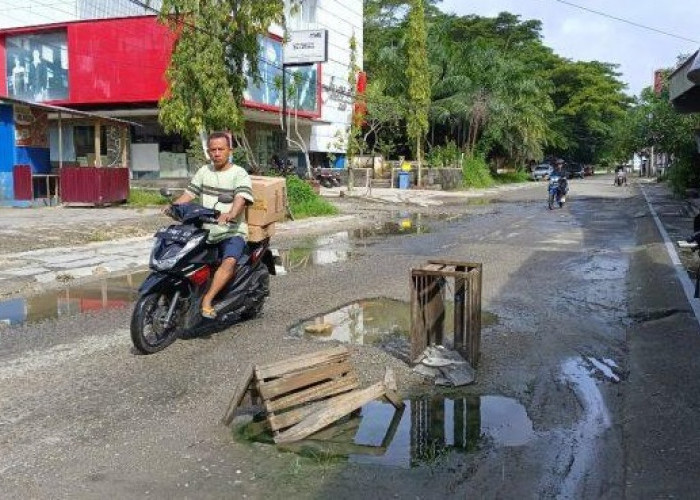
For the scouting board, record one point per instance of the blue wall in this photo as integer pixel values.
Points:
(38, 158)
(7, 151)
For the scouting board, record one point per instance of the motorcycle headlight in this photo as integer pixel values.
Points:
(164, 264)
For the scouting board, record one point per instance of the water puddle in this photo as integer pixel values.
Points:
(424, 432)
(341, 246)
(606, 367)
(379, 322)
(108, 293)
(589, 429)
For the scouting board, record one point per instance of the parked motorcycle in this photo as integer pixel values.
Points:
(557, 189)
(326, 177)
(182, 264)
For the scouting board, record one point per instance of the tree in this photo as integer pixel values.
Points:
(215, 53)
(418, 76)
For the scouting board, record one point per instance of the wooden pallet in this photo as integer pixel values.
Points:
(304, 394)
(428, 307)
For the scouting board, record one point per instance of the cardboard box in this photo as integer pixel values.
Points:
(270, 204)
(259, 233)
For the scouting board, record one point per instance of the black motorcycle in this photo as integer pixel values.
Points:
(182, 264)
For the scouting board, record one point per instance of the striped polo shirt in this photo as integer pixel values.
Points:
(208, 183)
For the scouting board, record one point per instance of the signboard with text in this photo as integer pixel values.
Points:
(306, 47)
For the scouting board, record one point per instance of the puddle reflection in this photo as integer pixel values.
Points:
(109, 293)
(424, 432)
(379, 322)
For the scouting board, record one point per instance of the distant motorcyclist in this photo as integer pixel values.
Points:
(620, 176)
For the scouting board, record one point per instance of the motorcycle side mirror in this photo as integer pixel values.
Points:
(225, 198)
(166, 193)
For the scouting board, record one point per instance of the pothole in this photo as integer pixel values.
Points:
(425, 432)
(108, 293)
(378, 322)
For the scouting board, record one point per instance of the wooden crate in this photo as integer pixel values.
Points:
(307, 393)
(428, 289)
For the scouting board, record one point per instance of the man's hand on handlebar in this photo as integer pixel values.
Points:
(225, 218)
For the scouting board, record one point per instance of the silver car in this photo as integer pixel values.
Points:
(541, 172)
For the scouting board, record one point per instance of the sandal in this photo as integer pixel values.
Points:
(208, 312)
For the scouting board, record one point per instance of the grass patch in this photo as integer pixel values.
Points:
(139, 197)
(476, 173)
(304, 202)
(512, 177)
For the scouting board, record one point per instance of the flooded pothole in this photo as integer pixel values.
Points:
(108, 293)
(379, 322)
(424, 432)
(342, 246)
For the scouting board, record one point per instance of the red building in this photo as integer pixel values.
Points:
(116, 67)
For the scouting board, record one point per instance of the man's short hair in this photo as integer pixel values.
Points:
(219, 135)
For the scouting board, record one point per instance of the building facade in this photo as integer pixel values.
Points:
(110, 56)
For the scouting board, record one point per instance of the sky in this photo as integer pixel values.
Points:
(584, 36)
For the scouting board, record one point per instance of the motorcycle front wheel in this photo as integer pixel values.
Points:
(148, 333)
(550, 201)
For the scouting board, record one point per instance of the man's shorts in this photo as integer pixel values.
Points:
(232, 247)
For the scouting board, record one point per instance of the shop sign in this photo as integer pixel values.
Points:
(306, 47)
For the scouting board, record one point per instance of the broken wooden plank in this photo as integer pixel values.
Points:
(283, 385)
(288, 418)
(394, 399)
(390, 379)
(302, 362)
(332, 410)
(343, 384)
(238, 395)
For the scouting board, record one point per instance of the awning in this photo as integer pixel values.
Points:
(684, 85)
(64, 112)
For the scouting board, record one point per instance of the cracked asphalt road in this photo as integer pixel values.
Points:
(82, 416)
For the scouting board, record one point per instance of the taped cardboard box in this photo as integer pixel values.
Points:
(259, 233)
(270, 203)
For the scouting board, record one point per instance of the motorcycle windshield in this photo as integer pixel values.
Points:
(188, 213)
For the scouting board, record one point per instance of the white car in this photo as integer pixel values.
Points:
(541, 172)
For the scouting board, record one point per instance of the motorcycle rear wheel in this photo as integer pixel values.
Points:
(147, 334)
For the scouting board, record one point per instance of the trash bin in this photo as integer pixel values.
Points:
(404, 180)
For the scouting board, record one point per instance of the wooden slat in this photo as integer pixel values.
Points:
(300, 362)
(394, 399)
(332, 410)
(283, 385)
(238, 395)
(314, 393)
(291, 417)
(432, 267)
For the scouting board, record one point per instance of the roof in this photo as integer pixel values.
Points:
(66, 111)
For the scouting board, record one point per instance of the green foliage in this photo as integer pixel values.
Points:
(476, 173)
(444, 156)
(304, 202)
(215, 53)
(683, 175)
(511, 177)
(418, 75)
(139, 197)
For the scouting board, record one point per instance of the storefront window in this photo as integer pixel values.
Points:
(37, 66)
(267, 91)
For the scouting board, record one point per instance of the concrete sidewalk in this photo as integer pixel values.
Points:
(24, 270)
